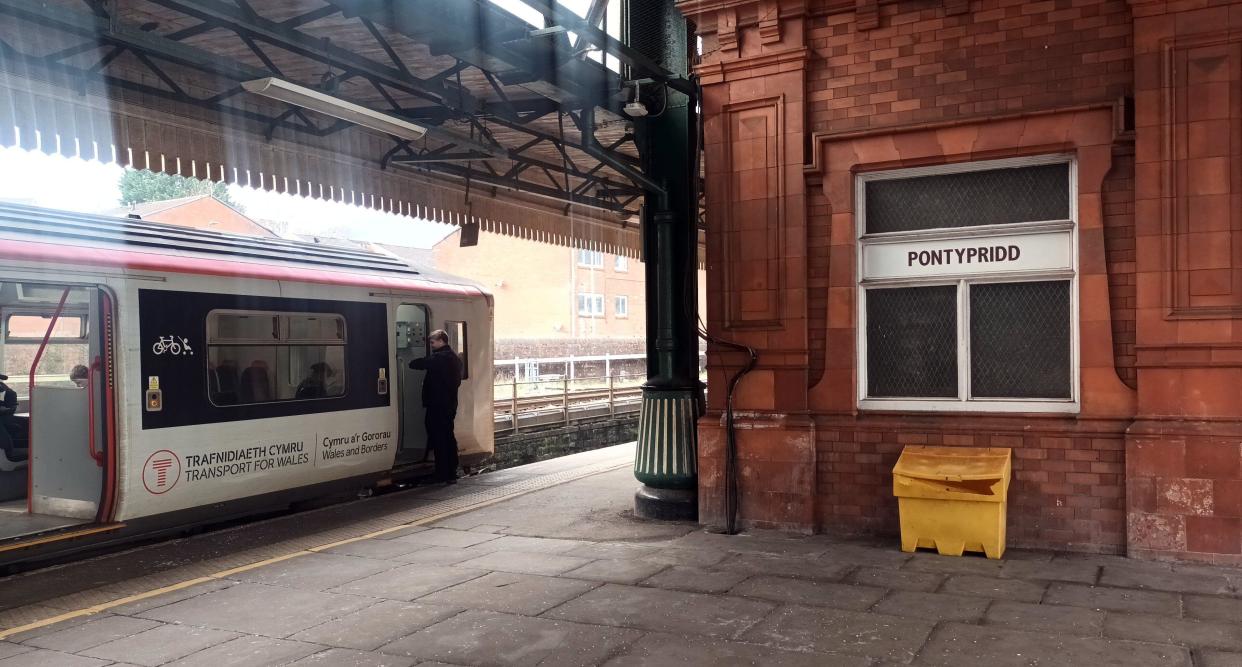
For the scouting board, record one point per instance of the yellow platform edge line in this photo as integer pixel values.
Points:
(223, 574)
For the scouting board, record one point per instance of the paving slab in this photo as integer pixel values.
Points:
(967, 564)
(933, 606)
(960, 645)
(160, 644)
(888, 557)
(315, 571)
(524, 594)
(612, 550)
(668, 611)
(1138, 576)
(661, 650)
(249, 651)
(537, 545)
(341, 657)
(800, 591)
(437, 556)
(522, 562)
(759, 541)
(1186, 632)
(696, 580)
(991, 587)
(1212, 608)
(1082, 573)
(809, 568)
(376, 548)
(371, 628)
(836, 631)
(904, 580)
(9, 649)
(138, 606)
(444, 537)
(46, 658)
(408, 581)
(687, 557)
(617, 571)
(490, 638)
(1218, 659)
(1046, 618)
(256, 609)
(91, 633)
(1114, 599)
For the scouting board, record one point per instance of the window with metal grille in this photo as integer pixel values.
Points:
(992, 334)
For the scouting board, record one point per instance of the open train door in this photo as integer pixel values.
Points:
(411, 336)
(59, 413)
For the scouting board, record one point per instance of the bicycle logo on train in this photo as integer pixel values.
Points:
(174, 345)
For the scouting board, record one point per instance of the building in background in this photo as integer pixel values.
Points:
(199, 211)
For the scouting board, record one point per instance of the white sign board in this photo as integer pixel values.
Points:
(1046, 251)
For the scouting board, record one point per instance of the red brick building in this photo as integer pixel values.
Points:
(200, 211)
(986, 223)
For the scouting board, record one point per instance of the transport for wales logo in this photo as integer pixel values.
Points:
(161, 472)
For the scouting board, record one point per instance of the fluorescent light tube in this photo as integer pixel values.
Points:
(279, 89)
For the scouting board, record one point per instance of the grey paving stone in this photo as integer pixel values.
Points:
(696, 580)
(257, 609)
(933, 606)
(1137, 576)
(45, 658)
(801, 591)
(897, 579)
(806, 567)
(833, 630)
(968, 564)
(525, 594)
(91, 633)
(522, 562)
(611, 550)
(402, 532)
(991, 587)
(56, 627)
(376, 548)
(249, 651)
(1114, 599)
(1212, 608)
(539, 545)
(1082, 573)
(315, 571)
(437, 556)
(661, 610)
(490, 638)
(757, 541)
(888, 558)
(139, 606)
(962, 645)
(371, 628)
(9, 649)
(617, 571)
(340, 657)
(1046, 618)
(661, 650)
(408, 581)
(687, 557)
(1186, 632)
(443, 537)
(1218, 659)
(160, 645)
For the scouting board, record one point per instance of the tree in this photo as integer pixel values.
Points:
(140, 185)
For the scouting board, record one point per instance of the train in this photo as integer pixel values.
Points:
(158, 378)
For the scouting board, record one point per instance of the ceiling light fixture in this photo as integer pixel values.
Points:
(307, 98)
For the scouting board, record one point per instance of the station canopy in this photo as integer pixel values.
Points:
(457, 111)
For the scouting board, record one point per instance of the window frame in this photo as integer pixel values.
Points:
(620, 264)
(964, 402)
(593, 298)
(462, 351)
(283, 339)
(590, 255)
(621, 299)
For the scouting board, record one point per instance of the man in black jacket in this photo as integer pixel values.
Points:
(444, 369)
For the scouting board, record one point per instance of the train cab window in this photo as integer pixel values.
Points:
(457, 340)
(264, 357)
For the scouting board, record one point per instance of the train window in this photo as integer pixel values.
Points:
(262, 357)
(457, 340)
(33, 327)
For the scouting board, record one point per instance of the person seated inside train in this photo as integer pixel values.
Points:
(78, 375)
(256, 387)
(319, 384)
(16, 430)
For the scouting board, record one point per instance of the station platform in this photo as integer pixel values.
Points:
(546, 565)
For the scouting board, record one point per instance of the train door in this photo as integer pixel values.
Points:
(411, 322)
(56, 416)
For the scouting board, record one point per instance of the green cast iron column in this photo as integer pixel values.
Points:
(667, 138)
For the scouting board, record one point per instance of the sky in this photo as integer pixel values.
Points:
(34, 178)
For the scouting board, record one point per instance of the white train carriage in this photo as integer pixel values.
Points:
(220, 375)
